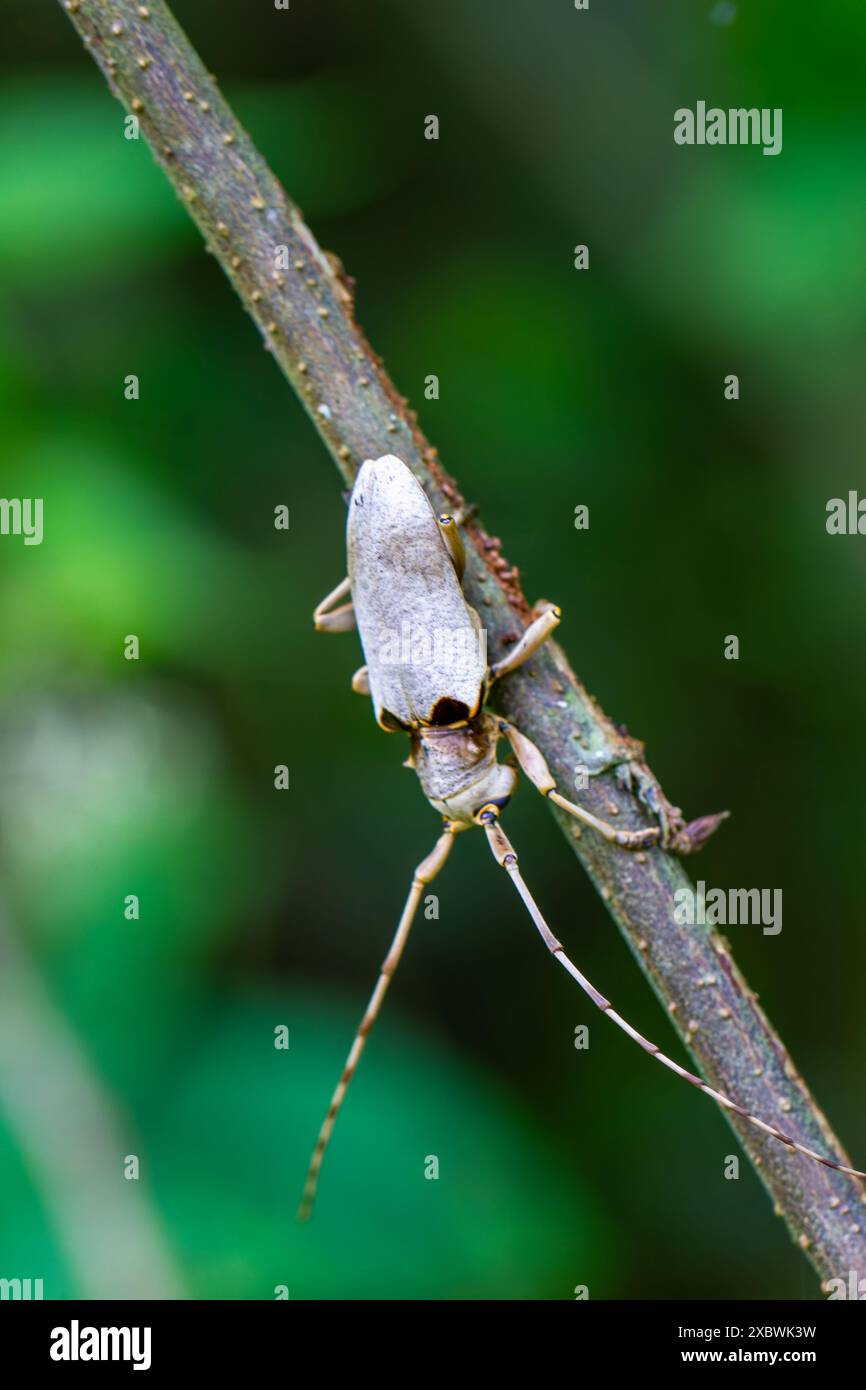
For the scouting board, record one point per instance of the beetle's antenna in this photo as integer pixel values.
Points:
(504, 854)
(424, 874)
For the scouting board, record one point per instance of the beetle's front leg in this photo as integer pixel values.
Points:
(678, 835)
(538, 631)
(671, 834)
(625, 760)
(326, 618)
(533, 764)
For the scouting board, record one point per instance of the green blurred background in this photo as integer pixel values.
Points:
(156, 1037)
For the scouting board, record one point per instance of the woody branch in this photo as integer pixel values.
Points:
(302, 304)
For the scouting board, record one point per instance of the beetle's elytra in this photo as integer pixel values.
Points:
(427, 674)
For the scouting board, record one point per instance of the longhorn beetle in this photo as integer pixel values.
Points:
(427, 674)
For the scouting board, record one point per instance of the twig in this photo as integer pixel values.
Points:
(301, 301)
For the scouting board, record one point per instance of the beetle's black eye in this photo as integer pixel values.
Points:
(445, 519)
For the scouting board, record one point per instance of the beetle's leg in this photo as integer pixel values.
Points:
(424, 874)
(538, 631)
(532, 762)
(503, 852)
(328, 619)
(361, 681)
(625, 760)
(676, 836)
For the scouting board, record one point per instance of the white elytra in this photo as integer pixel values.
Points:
(422, 640)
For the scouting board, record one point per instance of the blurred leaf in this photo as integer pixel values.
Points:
(327, 159)
(80, 199)
(77, 196)
(782, 243)
(120, 556)
(116, 795)
(507, 1218)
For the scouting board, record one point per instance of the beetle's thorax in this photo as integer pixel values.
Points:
(457, 767)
